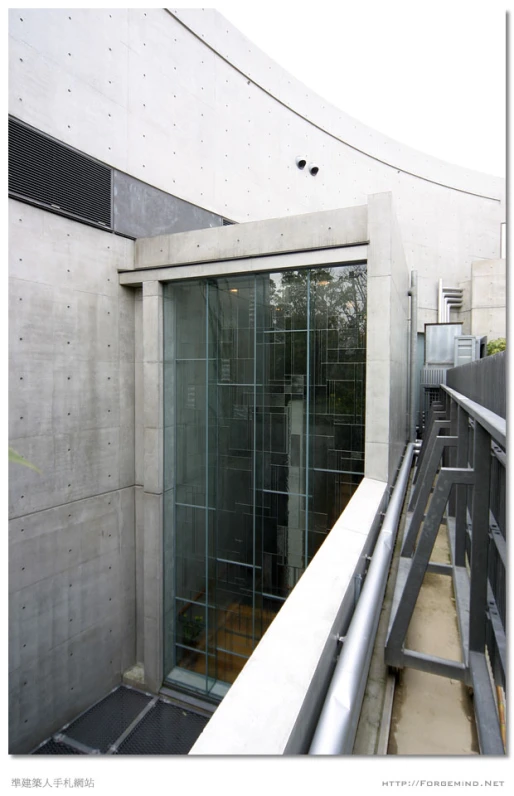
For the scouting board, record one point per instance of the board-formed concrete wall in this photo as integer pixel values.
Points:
(489, 298)
(183, 101)
(71, 413)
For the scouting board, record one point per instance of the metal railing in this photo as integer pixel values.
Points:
(460, 482)
(337, 726)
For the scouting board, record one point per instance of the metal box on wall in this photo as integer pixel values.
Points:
(439, 343)
(468, 348)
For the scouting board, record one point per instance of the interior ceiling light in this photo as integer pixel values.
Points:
(301, 162)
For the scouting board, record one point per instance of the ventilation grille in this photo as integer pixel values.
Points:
(48, 173)
(433, 376)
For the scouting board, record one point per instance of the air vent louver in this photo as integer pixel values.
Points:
(51, 174)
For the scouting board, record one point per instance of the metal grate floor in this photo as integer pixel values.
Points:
(165, 730)
(56, 747)
(128, 722)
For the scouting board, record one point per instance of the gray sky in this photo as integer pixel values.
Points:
(431, 75)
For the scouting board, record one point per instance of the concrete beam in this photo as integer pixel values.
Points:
(327, 229)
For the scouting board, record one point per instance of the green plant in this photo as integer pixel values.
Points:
(191, 628)
(495, 346)
(17, 458)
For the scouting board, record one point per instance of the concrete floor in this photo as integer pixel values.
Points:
(433, 715)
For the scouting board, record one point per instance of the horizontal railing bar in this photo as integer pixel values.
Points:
(432, 664)
(439, 569)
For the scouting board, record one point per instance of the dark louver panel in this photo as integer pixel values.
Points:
(48, 173)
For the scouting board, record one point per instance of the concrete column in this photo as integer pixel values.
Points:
(387, 373)
(152, 508)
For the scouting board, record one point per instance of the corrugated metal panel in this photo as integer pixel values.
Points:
(45, 172)
(433, 377)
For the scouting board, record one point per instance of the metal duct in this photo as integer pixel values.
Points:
(448, 297)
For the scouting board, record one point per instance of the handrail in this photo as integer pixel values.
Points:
(337, 726)
(495, 425)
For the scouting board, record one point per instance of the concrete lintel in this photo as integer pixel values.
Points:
(328, 228)
(338, 255)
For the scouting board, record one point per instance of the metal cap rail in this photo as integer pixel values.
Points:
(337, 725)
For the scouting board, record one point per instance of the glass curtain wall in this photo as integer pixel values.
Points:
(263, 444)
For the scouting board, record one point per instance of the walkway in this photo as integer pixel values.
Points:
(433, 715)
(419, 714)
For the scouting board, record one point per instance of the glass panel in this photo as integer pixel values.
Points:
(264, 446)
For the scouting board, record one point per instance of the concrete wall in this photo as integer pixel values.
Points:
(387, 360)
(489, 298)
(183, 101)
(484, 299)
(71, 413)
(139, 210)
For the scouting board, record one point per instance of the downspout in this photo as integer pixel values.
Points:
(413, 293)
(337, 726)
(440, 302)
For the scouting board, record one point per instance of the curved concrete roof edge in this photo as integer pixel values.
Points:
(234, 47)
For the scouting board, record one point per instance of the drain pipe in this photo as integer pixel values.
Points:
(337, 726)
(413, 293)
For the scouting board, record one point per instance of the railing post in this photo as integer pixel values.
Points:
(461, 489)
(451, 454)
(479, 539)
